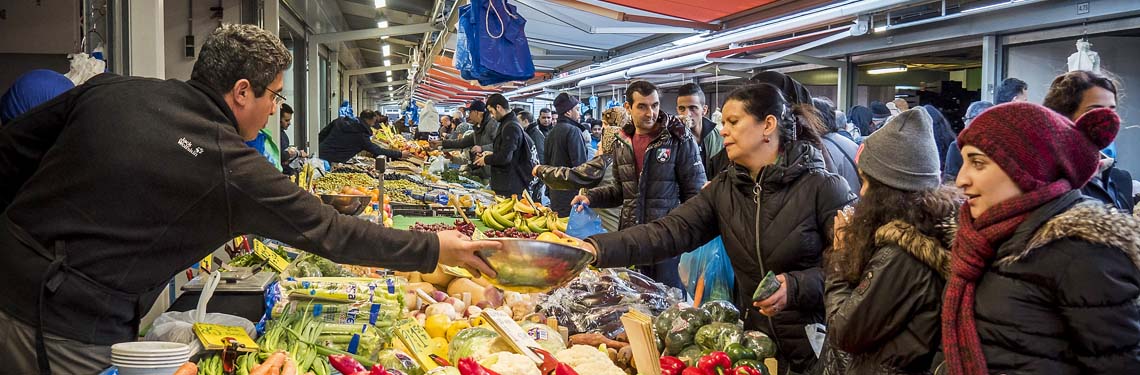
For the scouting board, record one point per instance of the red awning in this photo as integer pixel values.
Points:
(694, 10)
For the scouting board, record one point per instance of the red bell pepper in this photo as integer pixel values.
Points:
(715, 363)
(745, 370)
(564, 369)
(696, 371)
(468, 366)
(347, 365)
(378, 370)
(671, 365)
(549, 363)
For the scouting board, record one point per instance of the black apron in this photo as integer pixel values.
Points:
(66, 302)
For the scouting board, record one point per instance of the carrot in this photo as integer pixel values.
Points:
(188, 368)
(273, 363)
(290, 367)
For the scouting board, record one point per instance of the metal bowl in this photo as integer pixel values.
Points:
(347, 204)
(532, 266)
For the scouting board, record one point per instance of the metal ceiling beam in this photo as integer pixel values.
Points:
(378, 69)
(383, 84)
(401, 42)
(375, 33)
(714, 69)
(403, 17)
(577, 23)
(358, 9)
(625, 17)
(561, 57)
(814, 60)
(804, 47)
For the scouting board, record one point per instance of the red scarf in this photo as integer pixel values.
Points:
(974, 249)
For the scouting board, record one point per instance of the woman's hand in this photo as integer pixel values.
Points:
(777, 302)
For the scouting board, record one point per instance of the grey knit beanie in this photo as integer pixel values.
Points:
(903, 154)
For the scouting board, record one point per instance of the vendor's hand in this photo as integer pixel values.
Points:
(584, 200)
(476, 149)
(290, 153)
(305, 153)
(435, 144)
(456, 249)
(481, 160)
(405, 154)
(534, 171)
(777, 302)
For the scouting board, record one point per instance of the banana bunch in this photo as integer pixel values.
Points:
(521, 215)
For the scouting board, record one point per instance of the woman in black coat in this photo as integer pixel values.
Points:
(774, 209)
(1042, 281)
(886, 272)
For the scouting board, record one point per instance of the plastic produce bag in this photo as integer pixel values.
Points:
(585, 223)
(178, 327)
(709, 262)
(491, 43)
(595, 301)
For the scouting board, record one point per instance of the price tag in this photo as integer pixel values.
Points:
(417, 341)
(214, 337)
(275, 261)
(207, 263)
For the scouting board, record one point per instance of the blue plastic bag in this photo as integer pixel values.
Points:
(710, 261)
(585, 223)
(491, 43)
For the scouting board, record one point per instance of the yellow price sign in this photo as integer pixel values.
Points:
(275, 261)
(417, 341)
(215, 337)
(207, 263)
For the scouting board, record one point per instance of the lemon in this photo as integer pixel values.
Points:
(436, 325)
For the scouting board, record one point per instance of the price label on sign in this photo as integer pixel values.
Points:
(275, 261)
(417, 341)
(207, 263)
(215, 337)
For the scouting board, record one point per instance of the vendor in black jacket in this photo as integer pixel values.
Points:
(565, 147)
(774, 209)
(348, 137)
(514, 154)
(88, 243)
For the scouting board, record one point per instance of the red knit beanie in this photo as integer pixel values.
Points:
(1036, 146)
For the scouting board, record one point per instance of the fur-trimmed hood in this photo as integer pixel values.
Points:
(927, 249)
(1089, 221)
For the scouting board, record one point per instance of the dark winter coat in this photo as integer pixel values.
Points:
(565, 147)
(348, 137)
(539, 139)
(842, 152)
(172, 182)
(889, 323)
(513, 159)
(787, 234)
(1113, 186)
(1061, 297)
(672, 173)
(484, 136)
(711, 143)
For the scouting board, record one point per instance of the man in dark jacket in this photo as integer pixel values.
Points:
(90, 242)
(515, 154)
(486, 128)
(288, 152)
(348, 137)
(565, 147)
(840, 150)
(658, 167)
(545, 121)
(691, 104)
(534, 131)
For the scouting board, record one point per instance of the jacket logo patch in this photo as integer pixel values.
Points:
(189, 147)
(663, 155)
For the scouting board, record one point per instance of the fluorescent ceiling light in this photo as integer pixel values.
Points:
(892, 69)
(389, 73)
(389, 79)
(382, 24)
(387, 62)
(880, 29)
(381, 3)
(387, 49)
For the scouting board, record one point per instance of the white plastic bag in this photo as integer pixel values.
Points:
(1085, 58)
(83, 67)
(175, 326)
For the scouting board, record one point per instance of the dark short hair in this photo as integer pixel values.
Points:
(285, 108)
(826, 113)
(498, 100)
(525, 116)
(692, 89)
(368, 114)
(236, 52)
(645, 88)
(1067, 90)
(1008, 89)
(544, 110)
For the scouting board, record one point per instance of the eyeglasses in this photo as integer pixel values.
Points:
(279, 98)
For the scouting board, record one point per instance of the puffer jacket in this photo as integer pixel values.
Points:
(786, 235)
(889, 323)
(672, 173)
(1061, 297)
